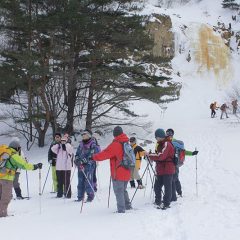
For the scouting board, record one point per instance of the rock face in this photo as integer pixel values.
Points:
(159, 87)
(163, 37)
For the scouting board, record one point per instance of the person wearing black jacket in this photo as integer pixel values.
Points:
(52, 160)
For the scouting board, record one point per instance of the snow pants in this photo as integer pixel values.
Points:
(223, 113)
(83, 183)
(16, 185)
(120, 190)
(135, 174)
(166, 181)
(176, 185)
(5, 196)
(54, 178)
(213, 113)
(63, 179)
(95, 178)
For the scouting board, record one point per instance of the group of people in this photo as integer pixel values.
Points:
(223, 108)
(62, 159)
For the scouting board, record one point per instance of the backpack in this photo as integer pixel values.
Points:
(179, 156)
(223, 107)
(211, 105)
(5, 154)
(129, 158)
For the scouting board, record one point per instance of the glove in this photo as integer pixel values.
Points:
(83, 161)
(50, 161)
(64, 147)
(194, 153)
(36, 166)
(81, 167)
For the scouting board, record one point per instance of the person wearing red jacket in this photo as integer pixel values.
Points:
(120, 175)
(165, 169)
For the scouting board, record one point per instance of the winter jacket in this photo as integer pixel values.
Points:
(139, 153)
(86, 150)
(14, 162)
(51, 155)
(64, 157)
(224, 107)
(114, 152)
(164, 158)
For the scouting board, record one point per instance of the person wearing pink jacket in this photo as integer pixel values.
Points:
(64, 163)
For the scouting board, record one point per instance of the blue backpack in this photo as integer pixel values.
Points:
(179, 156)
(129, 158)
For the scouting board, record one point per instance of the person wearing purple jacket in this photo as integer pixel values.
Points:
(86, 166)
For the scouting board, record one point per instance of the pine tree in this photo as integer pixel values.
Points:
(96, 50)
(232, 4)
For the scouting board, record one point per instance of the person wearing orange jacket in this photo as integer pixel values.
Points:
(139, 153)
(120, 175)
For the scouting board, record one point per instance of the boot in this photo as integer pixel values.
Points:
(18, 193)
(132, 183)
(140, 185)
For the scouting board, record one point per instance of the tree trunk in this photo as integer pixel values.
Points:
(90, 103)
(72, 92)
(41, 138)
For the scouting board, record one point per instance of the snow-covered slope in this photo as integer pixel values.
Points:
(213, 214)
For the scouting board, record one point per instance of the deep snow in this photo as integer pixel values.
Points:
(213, 214)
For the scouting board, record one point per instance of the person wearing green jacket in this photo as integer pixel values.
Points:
(176, 182)
(13, 161)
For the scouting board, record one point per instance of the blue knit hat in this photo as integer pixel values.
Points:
(160, 133)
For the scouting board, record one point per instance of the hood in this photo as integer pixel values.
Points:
(88, 143)
(122, 138)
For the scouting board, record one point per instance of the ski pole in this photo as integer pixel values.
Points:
(46, 178)
(196, 175)
(27, 185)
(141, 179)
(70, 182)
(109, 191)
(98, 178)
(146, 183)
(152, 178)
(82, 203)
(28, 196)
(40, 192)
(89, 183)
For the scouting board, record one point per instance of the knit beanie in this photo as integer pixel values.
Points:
(117, 131)
(160, 133)
(87, 132)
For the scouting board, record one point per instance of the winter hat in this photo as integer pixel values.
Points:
(160, 133)
(87, 132)
(133, 139)
(170, 132)
(117, 131)
(14, 144)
